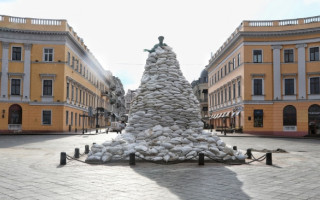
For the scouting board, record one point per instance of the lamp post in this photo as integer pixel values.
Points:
(83, 116)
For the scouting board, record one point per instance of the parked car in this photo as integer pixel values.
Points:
(114, 127)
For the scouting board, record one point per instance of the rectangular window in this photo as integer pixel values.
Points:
(258, 118)
(77, 66)
(72, 93)
(315, 85)
(218, 76)
(46, 117)
(75, 118)
(221, 72)
(84, 71)
(234, 63)
(215, 78)
(257, 56)
(288, 55)
(229, 67)
(257, 86)
(69, 56)
(47, 87)
(16, 53)
(239, 60)
(289, 86)
(234, 91)
(71, 118)
(314, 54)
(80, 96)
(67, 90)
(76, 94)
(221, 96)
(225, 94)
(80, 68)
(239, 89)
(79, 120)
(215, 99)
(48, 55)
(72, 65)
(67, 118)
(225, 70)
(229, 93)
(15, 86)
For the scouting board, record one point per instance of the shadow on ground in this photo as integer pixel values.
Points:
(191, 181)
(7, 141)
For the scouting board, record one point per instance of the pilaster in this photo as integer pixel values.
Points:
(27, 72)
(276, 72)
(4, 74)
(301, 70)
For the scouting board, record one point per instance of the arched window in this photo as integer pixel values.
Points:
(289, 116)
(15, 114)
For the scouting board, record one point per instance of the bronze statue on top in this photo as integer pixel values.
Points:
(160, 38)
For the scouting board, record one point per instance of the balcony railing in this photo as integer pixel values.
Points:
(271, 25)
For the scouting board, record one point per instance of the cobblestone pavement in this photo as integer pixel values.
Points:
(29, 169)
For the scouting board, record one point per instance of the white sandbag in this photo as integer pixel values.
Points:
(106, 157)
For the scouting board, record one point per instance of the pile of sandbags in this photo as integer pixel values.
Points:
(164, 121)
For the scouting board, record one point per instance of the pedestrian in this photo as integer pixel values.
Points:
(122, 126)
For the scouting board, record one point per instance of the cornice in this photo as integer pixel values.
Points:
(240, 34)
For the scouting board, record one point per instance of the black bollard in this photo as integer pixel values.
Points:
(76, 153)
(201, 158)
(132, 160)
(86, 149)
(269, 158)
(249, 154)
(235, 148)
(75, 130)
(63, 158)
(96, 130)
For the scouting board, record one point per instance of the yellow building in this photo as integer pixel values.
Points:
(265, 79)
(49, 78)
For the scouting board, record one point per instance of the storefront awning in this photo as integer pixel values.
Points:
(227, 114)
(238, 112)
(233, 114)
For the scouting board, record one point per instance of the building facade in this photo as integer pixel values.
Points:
(265, 79)
(200, 90)
(50, 81)
(128, 98)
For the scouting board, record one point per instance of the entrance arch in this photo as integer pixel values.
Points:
(15, 114)
(314, 119)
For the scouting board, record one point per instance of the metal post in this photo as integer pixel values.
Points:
(63, 158)
(76, 153)
(201, 158)
(249, 154)
(75, 129)
(235, 148)
(86, 149)
(269, 158)
(132, 159)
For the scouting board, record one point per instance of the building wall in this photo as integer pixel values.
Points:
(273, 70)
(33, 36)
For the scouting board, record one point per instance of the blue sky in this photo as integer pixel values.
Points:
(116, 32)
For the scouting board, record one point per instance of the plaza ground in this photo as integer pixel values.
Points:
(30, 169)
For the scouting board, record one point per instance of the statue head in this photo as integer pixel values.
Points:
(160, 38)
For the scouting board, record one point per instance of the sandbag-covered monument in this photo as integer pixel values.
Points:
(164, 122)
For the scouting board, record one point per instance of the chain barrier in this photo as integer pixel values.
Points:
(260, 159)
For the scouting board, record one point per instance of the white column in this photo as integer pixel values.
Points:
(301, 70)
(27, 74)
(276, 73)
(4, 75)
